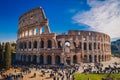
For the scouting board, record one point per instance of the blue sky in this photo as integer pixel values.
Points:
(63, 15)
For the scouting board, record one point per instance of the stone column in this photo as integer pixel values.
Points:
(45, 59)
(38, 60)
(62, 58)
(78, 58)
(93, 58)
(71, 59)
(45, 43)
(32, 44)
(53, 58)
(40, 30)
(53, 43)
(38, 45)
(88, 58)
(31, 58)
(34, 31)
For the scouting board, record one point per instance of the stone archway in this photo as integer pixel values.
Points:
(49, 43)
(29, 58)
(68, 60)
(102, 58)
(41, 59)
(90, 58)
(95, 58)
(57, 60)
(49, 59)
(75, 59)
(34, 59)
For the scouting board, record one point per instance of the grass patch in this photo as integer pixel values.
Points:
(79, 76)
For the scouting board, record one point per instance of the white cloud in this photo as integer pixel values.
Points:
(104, 16)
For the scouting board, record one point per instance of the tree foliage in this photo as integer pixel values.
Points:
(7, 56)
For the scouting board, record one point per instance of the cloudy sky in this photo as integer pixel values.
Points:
(103, 16)
(63, 15)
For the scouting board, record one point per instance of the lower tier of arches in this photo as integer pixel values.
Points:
(61, 59)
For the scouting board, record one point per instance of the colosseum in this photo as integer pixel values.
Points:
(36, 44)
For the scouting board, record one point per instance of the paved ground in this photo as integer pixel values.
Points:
(47, 77)
(105, 64)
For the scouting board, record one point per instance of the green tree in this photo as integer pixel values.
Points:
(7, 55)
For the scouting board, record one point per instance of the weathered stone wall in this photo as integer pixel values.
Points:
(36, 45)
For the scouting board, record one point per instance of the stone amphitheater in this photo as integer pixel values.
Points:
(36, 44)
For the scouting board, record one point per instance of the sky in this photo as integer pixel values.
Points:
(63, 15)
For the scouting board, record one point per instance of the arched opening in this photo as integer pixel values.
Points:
(34, 59)
(49, 59)
(85, 58)
(94, 45)
(42, 44)
(29, 45)
(79, 45)
(49, 44)
(59, 44)
(41, 59)
(74, 44)
(35, 44)
(85, 46)
(21, 45)
(90, 46)
(68, 60)
(98, 45)
(95, 58)
(105, 57)
(67, 43)
(25, 45)
(43, 29)
(90, 58)
(29, 58)
(75, 59)
(37, 31)
(57, 60)
(102, 58)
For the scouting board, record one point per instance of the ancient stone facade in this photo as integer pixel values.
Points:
(36, 44)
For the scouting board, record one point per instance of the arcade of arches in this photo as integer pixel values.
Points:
(38, 46)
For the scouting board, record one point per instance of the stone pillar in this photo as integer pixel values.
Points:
(88, 58)
(53, 58)
(78, 58)
(71, 59)
(93, 58)
(45, 43)
(38, 45)
(40, 30)
(32, 44)
(38, 60)
(45, 59)
(62, 58)
(92, 46)
(53, 43)
(34, 31)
